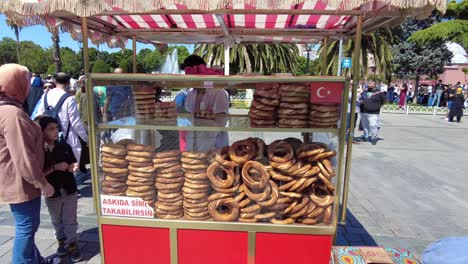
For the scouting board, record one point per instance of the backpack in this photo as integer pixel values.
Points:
(54, 111)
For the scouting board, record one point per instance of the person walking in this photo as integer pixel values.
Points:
(370, 113)
(438, 93)
(22, 179)
(403, 94)
(68, 115)
(457, 106)
(35, 93)
(63, 204)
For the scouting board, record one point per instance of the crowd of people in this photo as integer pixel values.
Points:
(43, 143)
(372, 96)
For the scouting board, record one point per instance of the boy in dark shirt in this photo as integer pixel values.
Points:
(59, 161)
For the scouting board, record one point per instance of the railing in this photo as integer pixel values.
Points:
(416, 109)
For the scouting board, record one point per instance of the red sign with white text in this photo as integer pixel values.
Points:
(326, 92)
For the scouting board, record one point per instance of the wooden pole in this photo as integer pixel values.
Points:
(324, 56)
(93, 147)
(134, 55)
(349, 149)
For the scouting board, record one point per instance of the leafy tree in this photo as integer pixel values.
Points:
(100, 66)
(17, 30)
(35, 57)
(415, 59)
(8, 51)
(454, 27)
(152, 61)
(126, 65)
(71, 61)
(301, 68)
(252, 58)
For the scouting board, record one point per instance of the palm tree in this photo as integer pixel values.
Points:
(56, 49)
(378, 44)
(17, 30)
(252, 58)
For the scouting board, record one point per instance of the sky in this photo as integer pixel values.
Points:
(41, 36)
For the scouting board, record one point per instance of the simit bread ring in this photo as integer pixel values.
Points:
(280, 151)
(173, 168)
(258, 196)
(323, 155)
(327, 215)
(114, 160)
(194, 155)
(224, 210)
(266, 101)
(280, 177)
(138, 159)
(218, 180)
(166, 160)
(284, 166)
(291, 99)
(262, 122)
(218, 196)
(194, 167)
(189, 161)
(140, 147)
(114, 149)
(293, 88)
(168, 165)
(294, 106)
(140, 154)
(167, 154)
(142, 174)
(256, 104)
(292, 122)
(286, 221)
(221, 157)
(308, 150)
(322, 201)
(140, 164)
(258, 182)
(149, 169)
(327, 183)
(113, 165)
(242, 151)
(286, 111)
(115, 171)
(267, 94)
(274, 196)
(324, 108)
(265, 216)
(260, 113)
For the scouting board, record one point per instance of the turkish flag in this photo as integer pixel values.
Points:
(326, 92)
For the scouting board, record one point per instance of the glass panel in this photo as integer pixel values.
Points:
(213, 155)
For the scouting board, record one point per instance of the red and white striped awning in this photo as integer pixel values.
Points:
(213, 21)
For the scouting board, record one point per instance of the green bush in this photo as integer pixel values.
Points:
(100, 66)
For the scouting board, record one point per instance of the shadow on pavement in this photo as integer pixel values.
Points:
(353, 233)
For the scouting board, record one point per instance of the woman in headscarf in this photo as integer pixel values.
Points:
(21, 163)
(35, 94)
(457, 106)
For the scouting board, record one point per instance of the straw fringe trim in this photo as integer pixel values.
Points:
(94, 7)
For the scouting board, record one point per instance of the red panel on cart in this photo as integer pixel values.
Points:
(129, 244)
(212, 247)
(289, 248)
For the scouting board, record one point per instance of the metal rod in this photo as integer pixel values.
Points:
(252, 247)
(134, 55)
(349, 150)
(92, 130)
(324, 56)
(173, 245)
(226, 59)
(340, 57)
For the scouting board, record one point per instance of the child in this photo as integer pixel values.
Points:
(59, 164)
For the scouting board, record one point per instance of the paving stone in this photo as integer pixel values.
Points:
(4, 239)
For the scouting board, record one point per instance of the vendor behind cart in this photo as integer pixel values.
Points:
(214, 101)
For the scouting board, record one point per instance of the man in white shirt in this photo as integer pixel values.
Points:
(69, 115)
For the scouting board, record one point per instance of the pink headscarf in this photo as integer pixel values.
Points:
(202, 70)
(14, 81)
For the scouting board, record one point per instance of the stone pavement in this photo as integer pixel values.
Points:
(409, 190)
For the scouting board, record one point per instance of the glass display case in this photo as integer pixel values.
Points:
(190, 160)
